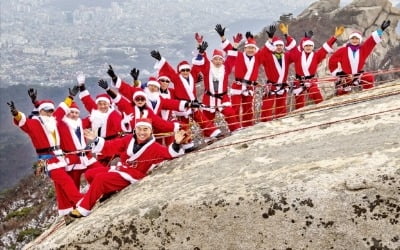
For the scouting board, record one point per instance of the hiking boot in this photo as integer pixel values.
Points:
(75, 214)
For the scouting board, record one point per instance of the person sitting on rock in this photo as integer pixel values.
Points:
(348, 61)
(139, 153)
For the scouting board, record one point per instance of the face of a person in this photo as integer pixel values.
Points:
(354, 40)
(185, 72)
(103, 106)
(279, 48)
(308, 48)
(143, 133)
(73, 115)
(44, 112)
(250, 50)
(140, 101)
(217, 61)
(164, 83)
(153, 88)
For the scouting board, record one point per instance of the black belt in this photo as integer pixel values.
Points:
(219, 96)
(298, 77)
(110, 137)
(77, 153)
(246, 81)
(47, 150)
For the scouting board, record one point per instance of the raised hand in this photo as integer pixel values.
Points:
(308, 34)
(249, 35)
(32, 94)
(80, 78)
(73, 91)
(284, 28)
(103, 84)
(220, 30)
(198, 37)
(271, 31)
(202, 47)
(238, 38)
(385, 24)
(13, 110)
(339, 31)
(135, 74)
(156, 55)
(111, 72)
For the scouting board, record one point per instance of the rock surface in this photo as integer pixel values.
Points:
(327, 177)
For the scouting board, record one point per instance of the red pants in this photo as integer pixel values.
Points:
(273, 104)
(101, 182)
(67, 194)
(76, 174)
(205, 124)
(229, 116)
(246, 103)
(313, 93)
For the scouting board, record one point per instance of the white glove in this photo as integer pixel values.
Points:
(307, 84)
(297, 91)
(80, 78)
(126, 122)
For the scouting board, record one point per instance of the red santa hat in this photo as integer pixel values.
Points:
(357, 34)
(306, 41)
(143, 122)
(183, 65)
(153, 81)
(139, 93)
(45, 105)
(277, 41)
(103, 97)
(74, 107)
(250, 42)
(218, 53)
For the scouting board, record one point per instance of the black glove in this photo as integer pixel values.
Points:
(13, 110)
(385, 24)
(135, 74)
(195, 104)
(202, 47)
(220, 30)
(111, 73)
(103, 84)
(156, 55)
(309, 33)
(73, 91)
(32, 94)
(249, 35)
(271, 31)
(341, 74)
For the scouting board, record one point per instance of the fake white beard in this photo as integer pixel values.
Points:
(218, 73)
(152, 96)
(73, 123)
(98, 119)
(49, 123)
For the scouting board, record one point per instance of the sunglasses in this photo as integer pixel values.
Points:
(140, 99)
(163, 80)
(185, 70)
(48, 110)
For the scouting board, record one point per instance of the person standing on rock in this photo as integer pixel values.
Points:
(139, 153)
(348, 61)
(306, 62)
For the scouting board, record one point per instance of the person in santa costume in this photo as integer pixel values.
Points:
(139, 153)
(348, 61)
(45, 136)
(185, 89)
(276, 66)
(103, 118)
(245, 65)
(215, 75)
(306, 62)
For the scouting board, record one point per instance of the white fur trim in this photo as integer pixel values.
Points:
(159, 64)
(98, 99)
(270, 46)
(124, 175)
(376, 37)
(225, 44)
(336, 71)
(118, 83)
(327, 48)
(356, 34)
(154, 83)
(65, 107)
(82, 210)
(97, 148)
(232, 53)
(182, 105)
(84, 94)
(198, 62)
(46, 105)
(183, 66)
(23, 120)
(118, 98)
(142, 123)
(308, 42)
(62, 212)
(215, 133)
(291, 45)
(177, 126)
(173, 153)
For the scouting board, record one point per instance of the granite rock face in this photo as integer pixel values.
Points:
(325, 177)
